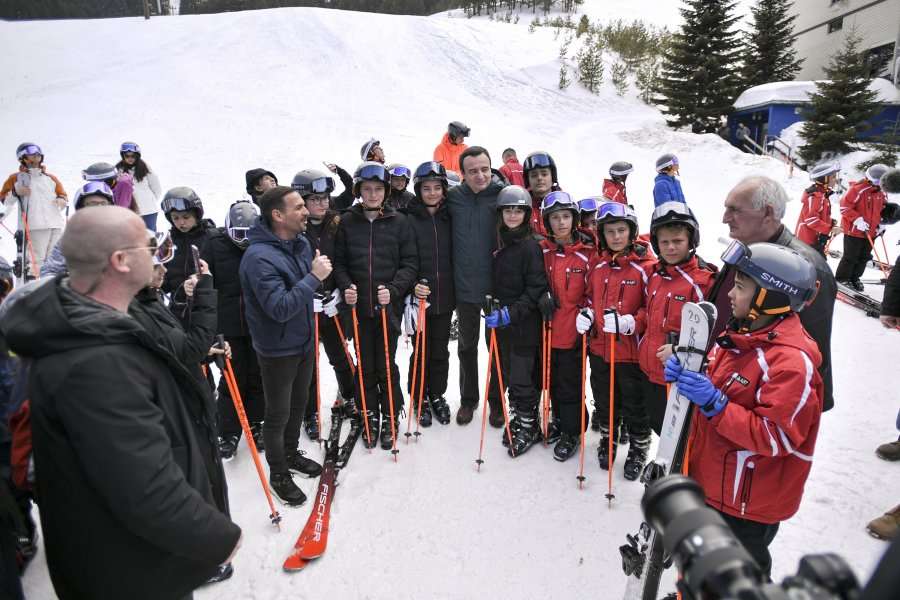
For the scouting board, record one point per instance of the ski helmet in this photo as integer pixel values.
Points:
(100, 171)
(613, 212)
(824, 169)
(539, 160)
(164, 246)
(785, 279)
(890, 213)
(671, 213)
(591, 204)
(93, 188)
(367, 148)
(458, 129)
(555, 202)
(398, 170)
(310, 181)
(875, 173)
(514, 195)
(430, 171)
(371, 171)
(453, 179)
(665, 161)
(129, 147)
(240, 218)
(621, 169)
(182, 199)
(28, 149)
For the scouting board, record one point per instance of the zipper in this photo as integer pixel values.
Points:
(371, 309)
(437, 266)
(666, 309)
(568, 272)
(748, 483)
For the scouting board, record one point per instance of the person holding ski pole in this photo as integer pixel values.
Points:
(375, 267)
(814, 224)
(430, 221)
(861, 223)
(616, 291)
(567, 259)
(279, 277)
(759, 403)
(519, 283)
(680, 276)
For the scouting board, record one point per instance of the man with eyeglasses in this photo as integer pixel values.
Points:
(121, 475)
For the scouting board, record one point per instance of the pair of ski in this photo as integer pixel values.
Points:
(857, 299)
(643, 558)
(313, 540)
(873, 263)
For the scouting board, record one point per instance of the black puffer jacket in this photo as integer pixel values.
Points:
(224, 259)
(321, 237)
(373, 253)
(120, 472)
(399, 200)
(434, 245)
(519, 280)
(182, 264)
(890, 306)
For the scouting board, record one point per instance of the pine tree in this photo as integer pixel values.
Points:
(769, 53)
(590, 64)
(841, 105)
(699, 78)
(620, 77)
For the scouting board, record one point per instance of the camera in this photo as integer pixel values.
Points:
(714, 565)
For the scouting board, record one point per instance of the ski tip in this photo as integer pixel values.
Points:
(294, 563)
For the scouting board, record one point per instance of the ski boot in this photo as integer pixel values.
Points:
(228, 447)
(565, 447)
(857, 285)
(256, 430)
(527, 434)
(286, 490)
(224, 572)
(387, 441)
(514, 425)
(425, 416)
(636, 459)
(311, 426)
(595, 420)
(441, 410)
(373, 419)
(603, 452)
(348, 405)
(298, 463)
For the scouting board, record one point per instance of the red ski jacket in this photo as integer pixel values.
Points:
(862, 200)
(753, 458)
(615, 191)
(815, 214)
(513, 172)
(537, 222)
(668, 289)
(619, 282)
(567, 272)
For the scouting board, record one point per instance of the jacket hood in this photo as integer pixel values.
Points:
(52, 318)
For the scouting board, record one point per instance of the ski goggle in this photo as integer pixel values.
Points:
(679, 209)
(105, 176)
(589, 205)
(430, 169)
(29, 150)
(400, 171)
(739, 256)
(538, 160)
(179, 204)
(129, 147)
(612, 210)
(371, 173)
(98, 188)
(238, 234)
(322, 185)
(559, 199)
(163, 247)
(672, 162)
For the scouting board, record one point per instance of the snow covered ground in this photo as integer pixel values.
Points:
(209, 97)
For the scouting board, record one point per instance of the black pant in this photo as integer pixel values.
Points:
(286, 383)
(628, 395)
(467, 351)
(857, 252)
(371, 349)
(565, 389)
(518, 366)
(249, 381)
(655, 400)
(756, 538)
(337, 357)
(437, 356)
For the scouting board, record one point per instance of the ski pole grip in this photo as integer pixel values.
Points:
(488, 304)
(219, 359)
(612, 311)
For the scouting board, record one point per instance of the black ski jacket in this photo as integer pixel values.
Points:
(321, 237)
(519, 281)
(474, 220)
(224, 259)
(400, 200)
(182, 264)
(890, 305)
(127, 510)
(434, 245)
(373, 253)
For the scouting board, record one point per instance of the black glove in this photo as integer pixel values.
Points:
(547, 304)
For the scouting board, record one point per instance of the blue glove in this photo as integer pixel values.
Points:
(672, 369)
(497, 318)
(697, 388)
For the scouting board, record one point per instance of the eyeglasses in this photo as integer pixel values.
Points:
(558, 198)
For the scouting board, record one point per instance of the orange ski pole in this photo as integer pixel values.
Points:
(583, 409)
(389, 377)
(884, 270)
(423, 326)
(359, 371)
(487, 387)
(501, 388)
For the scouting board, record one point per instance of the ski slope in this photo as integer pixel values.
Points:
(209, 97)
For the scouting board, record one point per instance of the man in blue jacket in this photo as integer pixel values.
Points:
(279, 276)
(666, 187)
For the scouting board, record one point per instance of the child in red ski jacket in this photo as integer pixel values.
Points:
(815, 225)
(861, 223)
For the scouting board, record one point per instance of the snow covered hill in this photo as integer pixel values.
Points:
(209, 97)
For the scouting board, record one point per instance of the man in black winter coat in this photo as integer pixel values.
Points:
(127, 510)
(472, 207)
(753, 212)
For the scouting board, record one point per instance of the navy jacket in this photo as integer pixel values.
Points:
(473, 218)
(278, 290)
(667, 189)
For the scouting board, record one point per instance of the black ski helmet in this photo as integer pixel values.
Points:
(539, 160)
(311, 181)
(430, 171)
(613, 212)
(371, 171)
(514, 195)
(100, 171)
(621, 169)
(242, 215)
(182, 199)
(28, 148)
(670, 213)
(785, 280)
(557, 201)
(457, 129)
